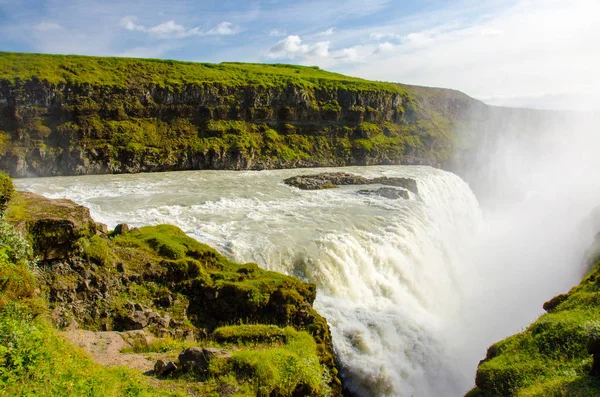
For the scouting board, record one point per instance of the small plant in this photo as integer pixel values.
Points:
(6, 191)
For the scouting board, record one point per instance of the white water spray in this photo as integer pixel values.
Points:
(390, 273)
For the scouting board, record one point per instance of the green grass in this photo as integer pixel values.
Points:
(550, 357)
(34, 359)
(125, 72)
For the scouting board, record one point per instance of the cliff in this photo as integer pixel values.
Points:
(140, 296)
(72, 115)
(557, 355)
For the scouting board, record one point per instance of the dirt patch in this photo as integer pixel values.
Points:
(105, 348)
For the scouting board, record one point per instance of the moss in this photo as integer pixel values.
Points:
(6, 191)
(96, 250)
(551, 356)
(251, 333)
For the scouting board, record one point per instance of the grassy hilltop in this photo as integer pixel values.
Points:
(124, 72)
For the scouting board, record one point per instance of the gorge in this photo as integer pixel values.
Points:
(415, 289)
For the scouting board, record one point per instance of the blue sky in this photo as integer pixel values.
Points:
(541, 53)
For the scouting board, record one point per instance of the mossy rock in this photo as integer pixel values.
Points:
(53, 226)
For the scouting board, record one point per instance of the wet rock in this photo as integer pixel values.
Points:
(387, 192)
(162, 368)
(406, 183)
(325, 180)
(330, 180)
(197, 359)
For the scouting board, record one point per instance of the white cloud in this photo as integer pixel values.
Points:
(327, 32)
(419, 39)
(129, 24)
(47, 26)
(171, 29)
(292, 48)
(535, 49)
(222, 29)
(349, 55)
(381, 36)
(490, 32)
(277, 32)
(384, 47)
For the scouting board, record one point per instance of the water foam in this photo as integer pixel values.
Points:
(390, 273)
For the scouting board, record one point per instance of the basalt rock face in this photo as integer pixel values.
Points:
(74, 126)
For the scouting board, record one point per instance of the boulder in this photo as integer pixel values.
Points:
(136, 320)
(101, 228)
(197, 359)
(121, 228)
(162, 368)
(53, 226)
(387, 192)
(554, 302)
(326, 180)
(406, 183)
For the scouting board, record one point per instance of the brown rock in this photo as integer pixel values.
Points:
(121, 228)
(54, 225)
(197, 359)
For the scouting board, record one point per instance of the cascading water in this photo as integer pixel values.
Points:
(390, 273)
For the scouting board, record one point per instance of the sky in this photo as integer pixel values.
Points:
(524, 53)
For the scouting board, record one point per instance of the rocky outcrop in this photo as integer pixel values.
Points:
(387, 192)
(329, 180)
(156, 280)
(197, 359)
(325, 180)
(54, 227)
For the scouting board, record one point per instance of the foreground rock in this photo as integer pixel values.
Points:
(329, 180)
(53, 226)
(197, 359)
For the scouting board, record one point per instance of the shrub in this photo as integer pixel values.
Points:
(6, 191)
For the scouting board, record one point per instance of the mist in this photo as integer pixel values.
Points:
(534, 173)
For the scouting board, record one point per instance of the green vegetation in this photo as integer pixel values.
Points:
(34, 359)
(133, 115)
(6, 190)
(267, 360)
(549, 358)
(127, 72)
(276, 343)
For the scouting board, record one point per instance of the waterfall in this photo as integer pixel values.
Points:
(391, 274)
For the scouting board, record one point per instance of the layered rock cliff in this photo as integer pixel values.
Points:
(70, 115)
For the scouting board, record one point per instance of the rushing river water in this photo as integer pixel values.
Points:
(394, 277)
